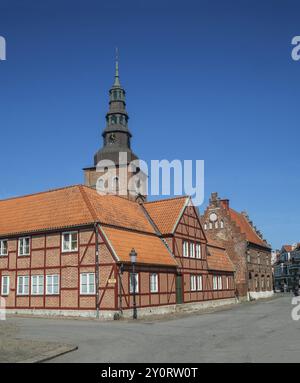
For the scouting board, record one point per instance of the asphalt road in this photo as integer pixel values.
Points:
(253, 332)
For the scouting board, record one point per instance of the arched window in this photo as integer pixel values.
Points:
(205, 226)
(100, 184)
(115, 183)
(222, 224)
(210, 225)
(216, 225)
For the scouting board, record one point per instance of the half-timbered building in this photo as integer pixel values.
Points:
(66, 251)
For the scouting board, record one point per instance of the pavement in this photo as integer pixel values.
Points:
(260, 331)
(14, 349)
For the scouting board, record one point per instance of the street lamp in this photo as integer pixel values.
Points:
(133, 255)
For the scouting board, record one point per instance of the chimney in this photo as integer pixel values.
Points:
(225, 203)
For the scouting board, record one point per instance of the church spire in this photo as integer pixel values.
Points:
(116, 135)
(117, 79)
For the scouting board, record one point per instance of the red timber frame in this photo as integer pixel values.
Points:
(46, 257)
(190, 230)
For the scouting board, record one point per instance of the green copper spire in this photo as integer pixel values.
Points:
(117, 79)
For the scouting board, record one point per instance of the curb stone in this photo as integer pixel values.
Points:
(44, 357)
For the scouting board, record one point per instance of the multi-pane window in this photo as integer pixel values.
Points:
(215, 282)
(220, 282)
(198, 250)
(87, 283)
(153, 283)
(192, 250)
(227, 283)
(199, 283)
(52, 284)
(24, 246)
(23, 285)
(3, 247)
(185, 248)
(134, 281)
(37, 284)
(5, 285)
(70, 241)
(193, 283)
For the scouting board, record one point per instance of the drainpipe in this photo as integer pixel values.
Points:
(97, 268)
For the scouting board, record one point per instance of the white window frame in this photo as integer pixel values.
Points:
(7, 283)
(198, 251)
(192, 250)
(193, 282)
(90, 284)
(37, 284)
(185, 249)
(50, 285)
(215, 282)
(136, 283)
(205, 226)
(199, 283)
(227, 283)
(216, 225)
(22, 240)
(220, 282)
(222, 224)
(153, 283)
(69, 249)
(21, 283)
(2, 253)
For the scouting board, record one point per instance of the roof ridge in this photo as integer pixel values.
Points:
(41, 192)
(109, 195)
(166, 199)
(88, 203)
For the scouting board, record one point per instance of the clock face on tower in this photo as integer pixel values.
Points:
(213, 217)
(112, 138)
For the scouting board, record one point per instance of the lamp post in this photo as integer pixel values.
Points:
(133, 255)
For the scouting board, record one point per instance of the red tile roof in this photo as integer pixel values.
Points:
(246, 228)
(150, 248)
(218, 258)
(166, 213)
(71, 206)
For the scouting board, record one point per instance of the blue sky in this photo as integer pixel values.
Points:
(210, 80)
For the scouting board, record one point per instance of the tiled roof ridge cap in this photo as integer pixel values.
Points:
(88, 203)
(167, 199)
(40, 193)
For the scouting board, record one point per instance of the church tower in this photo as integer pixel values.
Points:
(124, 180)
